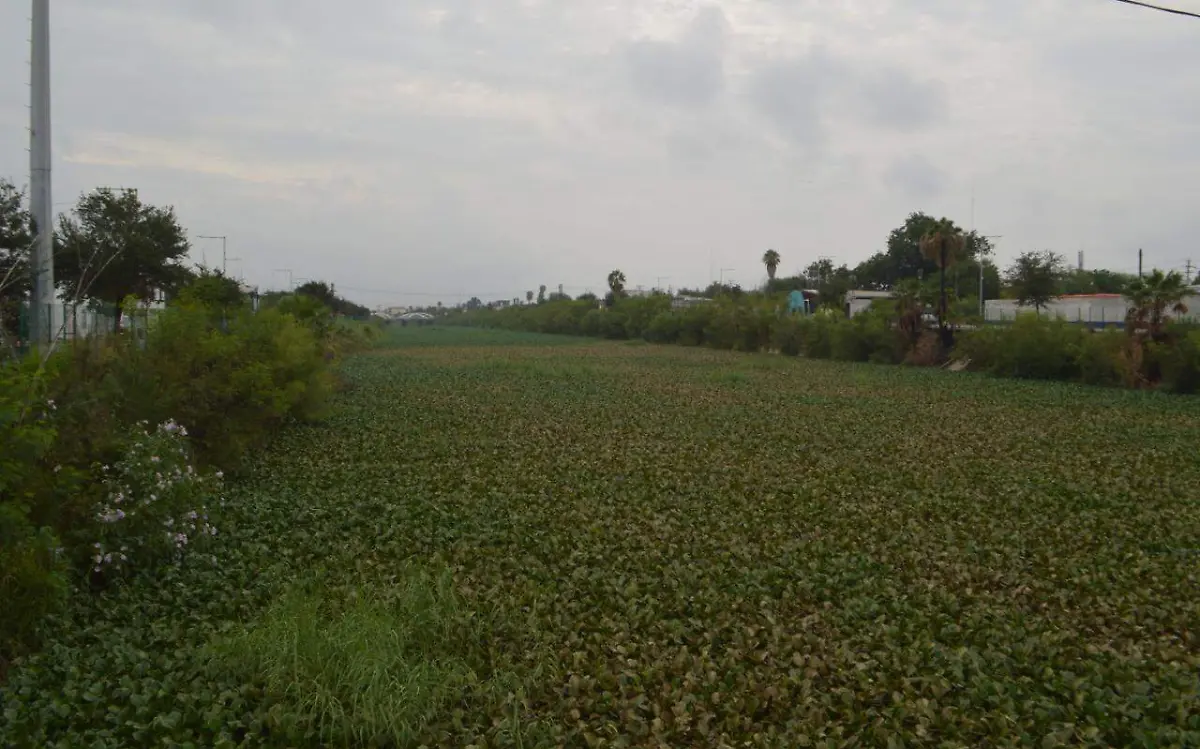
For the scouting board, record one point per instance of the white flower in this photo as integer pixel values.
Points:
(153, 458)
(98, 559)
(220, 474)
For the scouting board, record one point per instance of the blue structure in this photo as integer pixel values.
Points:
(799, 302)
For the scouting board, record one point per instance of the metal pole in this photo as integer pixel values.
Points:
(40, 200)
(224, 255)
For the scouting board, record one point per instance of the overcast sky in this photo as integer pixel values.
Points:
(415, 151)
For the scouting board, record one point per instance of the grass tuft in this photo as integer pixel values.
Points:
(367, 667)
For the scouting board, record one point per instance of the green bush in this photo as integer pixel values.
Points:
(77, 469)
(1030, 348)
(787, 336)
(155, 505)
(1101, 358)
(228, 389)
(664, 328)
(816, 335)
(32, 582)
(1181, 363)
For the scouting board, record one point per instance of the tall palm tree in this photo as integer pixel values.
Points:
(771, 259)
(943, 244)
(1151, 298)
(616, 283)
(529, 297)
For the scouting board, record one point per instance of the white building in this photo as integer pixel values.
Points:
(860, 300)
(1091, 309)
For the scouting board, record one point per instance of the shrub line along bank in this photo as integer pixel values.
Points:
(112, 448)
(1163, 356)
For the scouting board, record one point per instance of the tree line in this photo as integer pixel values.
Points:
(113, 246)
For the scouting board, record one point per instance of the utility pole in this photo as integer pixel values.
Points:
(1139, 262)
(981, 253)
(658, 282)
(224, 254)
(1189, 277)
(723, 271)
(40, 200)
(288, 271)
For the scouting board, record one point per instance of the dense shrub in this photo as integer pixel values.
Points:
(1181, 363)
(228, 389)
(154, 506)
(1030, 348)
(1103, 359)
(79, 467)
(32, 584)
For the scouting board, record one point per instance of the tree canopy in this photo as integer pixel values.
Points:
(903, 257)
(114, 246)
(771, 259)
(1035, 278)
(16, 240)
(327, 295)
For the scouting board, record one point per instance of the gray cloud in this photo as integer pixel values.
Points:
(789, 94)
(895, 99)
(689, 72)
(454, 146)
(915, 176)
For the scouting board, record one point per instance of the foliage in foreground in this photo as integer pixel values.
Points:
(740, 551)
(108, 445)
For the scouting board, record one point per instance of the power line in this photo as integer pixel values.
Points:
(1174, 11)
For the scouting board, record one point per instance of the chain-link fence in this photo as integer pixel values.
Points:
(68, 322)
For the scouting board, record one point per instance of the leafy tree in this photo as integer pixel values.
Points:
(115, 246)
(213, 289)
(16, 241)
(541, 298)
(556, 296)
(529, 297)
(587, 296)
(474, 303)
(786, 284)
(771, 260)
(903, 257)
(616, 283)
(321, 291)
(1098, 281)
(1034, 278)
(1151, 298)
(943, 245)
(832, 283)
(327, 295)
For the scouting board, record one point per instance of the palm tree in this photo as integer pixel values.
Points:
(1151, 298)
(771, 259)
(616, 283)
(943, 244)
(529, 297)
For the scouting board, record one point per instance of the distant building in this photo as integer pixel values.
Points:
(1097, 310)
(680, 302)
(860, 300)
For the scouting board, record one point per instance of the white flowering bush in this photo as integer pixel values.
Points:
(155, 504)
